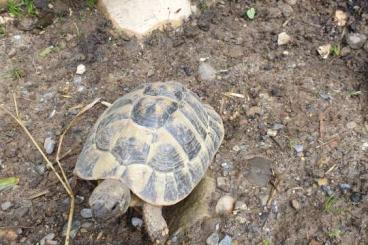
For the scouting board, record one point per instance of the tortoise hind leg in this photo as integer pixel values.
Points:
(155, 223)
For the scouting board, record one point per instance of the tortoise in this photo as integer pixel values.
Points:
(154, 145)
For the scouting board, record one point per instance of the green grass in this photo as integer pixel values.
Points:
(18, 8)
(335, 50)
(329, 205)
(354, 93)
(266, 242)
(16, 73)
(2, 31)
(91, 3)
(334, 233)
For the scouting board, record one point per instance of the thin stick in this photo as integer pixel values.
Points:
(38, 194)
(72, 199)
(16, 106)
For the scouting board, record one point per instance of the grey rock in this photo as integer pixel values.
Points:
(49, 144)
(86, 213)
(278, 126)
(226, 241)
(12, 53)
(356, 40)
(213, 239)
(20, 212)
(6, 205)
(223, 184)
(327, 189)
(325, 96)
(225, 205)
(356, 197)
(344, 187)
(286, 9)
(137, 222)
(345, 51)
(298, 148)
(206, 72)
(74, 229)
(46, 239)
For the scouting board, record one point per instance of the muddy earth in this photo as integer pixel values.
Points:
(295, 154)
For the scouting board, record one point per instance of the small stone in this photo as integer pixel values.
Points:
(225, 205)
(325, 96)
(345, 51)
(6, 205)
(356, 40)
(283, 39)
(324, 51)
(213, 239)
(344, 187)
(20, 212)
(86, 213)
(327, 189)
(12, 53)
(40, 168)
(150, 72)
(74, 229)
(298, 148)
(206, 72)
(322, 181)
(236, 148)
(341, 18)
(290, 2)
(295, 204)
(223, 184)
(254, 110)
(241, 206)
(81, 69)
(49, 144)
(226, 241)
(278, 126)
(364, 146)
(271, 132)
(356, 197)
(351, 125)
(46, 239)
(286, 9)
(137, 222)
(87, 225)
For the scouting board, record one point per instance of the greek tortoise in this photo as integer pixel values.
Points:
(156, 142)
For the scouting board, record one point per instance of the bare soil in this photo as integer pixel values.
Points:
(313, 101)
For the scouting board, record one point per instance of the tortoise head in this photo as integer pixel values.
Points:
(110, 199)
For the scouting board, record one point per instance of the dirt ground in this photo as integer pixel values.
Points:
(303, 113)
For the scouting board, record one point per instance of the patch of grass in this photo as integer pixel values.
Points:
(335, 50)
(14, 8)
(18, 8)
(2, 31)
(329, 205)
(334, 233)
(266, 242)
(16, 73)
(91, 3)
(292, 143)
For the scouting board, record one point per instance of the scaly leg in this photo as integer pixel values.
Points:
(155, 224)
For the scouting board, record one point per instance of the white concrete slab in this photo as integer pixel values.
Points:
(140, 17)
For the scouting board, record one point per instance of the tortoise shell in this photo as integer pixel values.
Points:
(159, 140)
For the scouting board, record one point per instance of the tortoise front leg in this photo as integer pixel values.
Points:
(155, 223)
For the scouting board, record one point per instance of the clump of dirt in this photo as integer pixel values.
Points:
(307, 115)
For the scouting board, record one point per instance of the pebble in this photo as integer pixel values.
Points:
(278, 126)
(81, 69)
(46, 239)
(40, 168)
(322, 181)
(324, 51)
(341, 17)
(271, 132)
(356, 197)
(49, 144)
(223, 184)
(283, 39)
(325, 96)
(298, 148)
(137, 222)
(351, 125)
(6, 205)
(226, 241)
(344, 187)
(12, 53)
(206, 72)
(86, 213)
(364, 146)
(225, 205)
(345, 51)
(213, 239)
(327, 189)
(74, 230)
(356, 40)
(295, 204)
(87, 225)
